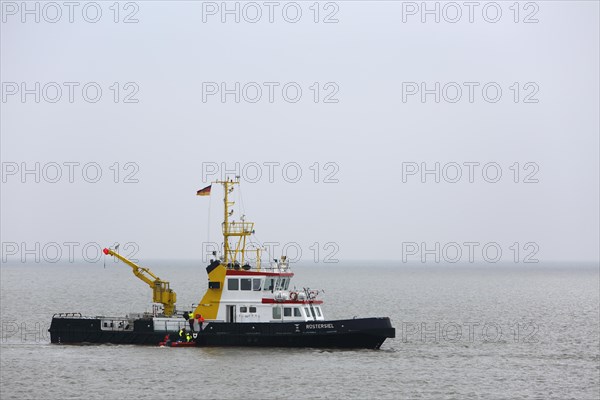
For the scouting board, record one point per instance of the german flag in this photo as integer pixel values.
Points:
(204, 192)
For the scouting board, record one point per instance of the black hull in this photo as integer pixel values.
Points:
(88, 330)
(367, 333)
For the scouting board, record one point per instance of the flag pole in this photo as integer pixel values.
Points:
(208, 221)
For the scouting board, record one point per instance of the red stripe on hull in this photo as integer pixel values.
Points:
(258, 273)
(270, 301)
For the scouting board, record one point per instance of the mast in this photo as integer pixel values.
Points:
(228, 187)
(232, 229)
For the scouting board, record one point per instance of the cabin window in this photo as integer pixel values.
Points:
(297, 312)
(312, 311)
(268, 284)
(307, 312)
(281, 284)
(256, 284)
(276, 312)
(318, 311)
(233, 284)
(246, 284)
(287, 284)
(252, 309)
(243, 309)
(287, 312)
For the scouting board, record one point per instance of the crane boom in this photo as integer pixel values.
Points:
(161, 292)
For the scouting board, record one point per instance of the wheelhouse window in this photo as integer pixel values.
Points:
(297, 312)
(243, 309)
(277, 312)
(269, 282)
(233, 284)
(318, 309)
(256, 284)
(246, 284)
(282, 284)
(287, 312)
(307, 312)
(252, 309)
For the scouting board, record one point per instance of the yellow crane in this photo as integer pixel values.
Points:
(161, 292)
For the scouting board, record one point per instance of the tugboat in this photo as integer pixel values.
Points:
(247, 303)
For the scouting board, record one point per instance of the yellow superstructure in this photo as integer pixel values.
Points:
(209, 305)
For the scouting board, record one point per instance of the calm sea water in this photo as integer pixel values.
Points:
(462, 332)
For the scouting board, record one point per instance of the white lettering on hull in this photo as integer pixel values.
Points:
(319, 326)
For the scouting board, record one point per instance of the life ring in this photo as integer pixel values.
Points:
(293, 296)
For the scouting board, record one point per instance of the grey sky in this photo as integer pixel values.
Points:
(368, 134)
